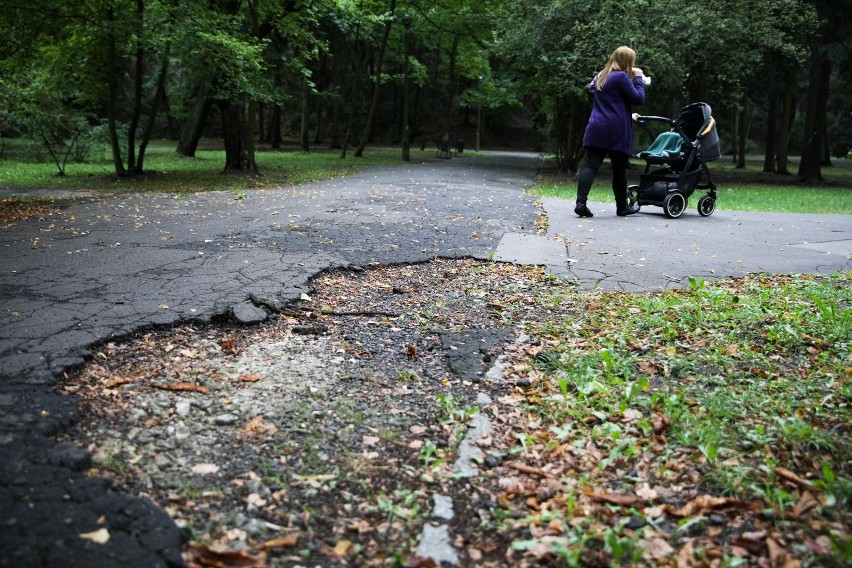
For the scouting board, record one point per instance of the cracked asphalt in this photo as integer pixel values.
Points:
(102, 268)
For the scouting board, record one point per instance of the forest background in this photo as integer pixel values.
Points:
(76, 76)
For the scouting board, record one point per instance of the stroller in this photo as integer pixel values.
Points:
(682, 155)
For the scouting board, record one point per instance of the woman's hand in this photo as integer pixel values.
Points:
(637, 72)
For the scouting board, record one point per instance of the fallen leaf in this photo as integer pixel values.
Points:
(702, 505)
(118, 381)
(284, 541)
(257, 427)
(340, 551)
(644, 491)
(686, 556)
(203, 555)
(528, 470)
(805, 503)
(655, 550)
(370, 440)
(792, 477)
(613, 499)
(183, 387)
(100, 536)
(251, 378)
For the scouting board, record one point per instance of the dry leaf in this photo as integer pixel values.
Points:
(656, 549)
(792, 477)
(182, 387)
(251, 378)
(621, 500)
(257, 427)
(284, 541)
(118, 381)
(702, 505)
(203, 555)
(686, 556)
(805, 503)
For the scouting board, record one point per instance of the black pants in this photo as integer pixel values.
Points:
(619, 176)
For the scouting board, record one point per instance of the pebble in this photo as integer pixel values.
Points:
(225, 419)
(182, 407)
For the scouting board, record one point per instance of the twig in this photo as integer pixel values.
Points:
(529, 470)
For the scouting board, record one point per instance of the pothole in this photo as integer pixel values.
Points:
(286, 448)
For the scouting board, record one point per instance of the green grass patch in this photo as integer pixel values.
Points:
(730, 399)
(738, 190)
(166, 171)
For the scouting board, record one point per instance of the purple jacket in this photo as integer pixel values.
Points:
(611, 124)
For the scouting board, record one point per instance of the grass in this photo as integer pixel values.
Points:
(169, 172)
(738, 190)
(740, 390)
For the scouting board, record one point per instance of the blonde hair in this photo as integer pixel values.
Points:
(622, 59)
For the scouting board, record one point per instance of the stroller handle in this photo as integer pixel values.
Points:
(642, 119)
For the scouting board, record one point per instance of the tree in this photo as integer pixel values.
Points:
(831, 46)
(389, 18)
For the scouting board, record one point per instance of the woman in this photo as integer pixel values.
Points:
(610, 130)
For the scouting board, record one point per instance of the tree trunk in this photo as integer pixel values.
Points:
(275, 128)
(112, 102)
(159, 96)
(138, 83)
(371, 116)
(251, 132)
(238, 157)
(576, 128)
(771, 131)
(261, 122)
(810, 167)
(356, 85)
(451, 88)
(304, 134)
(334, 129)
(742, 137)
(787, 115)
(319, 135)
(194, 125)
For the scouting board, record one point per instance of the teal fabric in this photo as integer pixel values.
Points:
(667, 144)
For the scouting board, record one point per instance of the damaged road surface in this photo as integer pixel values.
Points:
(343, 432)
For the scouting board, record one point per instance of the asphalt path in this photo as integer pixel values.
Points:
(99, 269)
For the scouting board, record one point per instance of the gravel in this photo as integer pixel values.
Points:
(285, 441)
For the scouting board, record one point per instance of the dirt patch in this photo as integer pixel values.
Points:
(322, 437)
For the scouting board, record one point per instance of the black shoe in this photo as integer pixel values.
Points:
(629, 211)
(583, 211)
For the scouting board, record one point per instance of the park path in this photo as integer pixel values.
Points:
(101, 269)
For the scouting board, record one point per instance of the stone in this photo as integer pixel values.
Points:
(249, 314)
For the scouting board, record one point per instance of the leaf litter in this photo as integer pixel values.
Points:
(699, 427)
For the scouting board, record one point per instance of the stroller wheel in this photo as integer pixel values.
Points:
(706, 206)
(632, 196)
(674, 204)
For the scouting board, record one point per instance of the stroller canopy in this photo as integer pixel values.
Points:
(697, 124)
